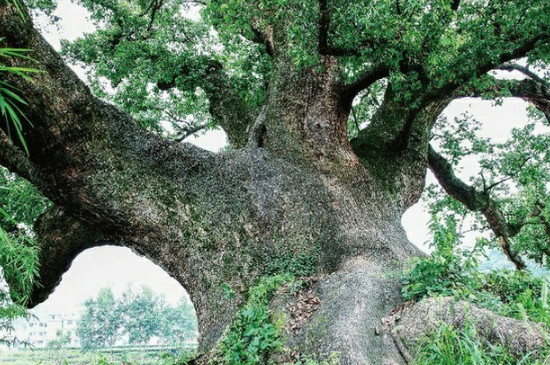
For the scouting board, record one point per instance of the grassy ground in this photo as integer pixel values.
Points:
(119, 356)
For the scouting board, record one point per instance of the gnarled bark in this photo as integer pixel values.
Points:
(394, 145)
(60, 238)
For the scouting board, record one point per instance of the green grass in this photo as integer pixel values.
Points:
(449, 346)
(155, 355)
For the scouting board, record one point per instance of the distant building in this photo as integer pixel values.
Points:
(39, 332)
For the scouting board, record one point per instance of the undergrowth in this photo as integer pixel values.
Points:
(253, 334)
(450, 346)
(451, 271)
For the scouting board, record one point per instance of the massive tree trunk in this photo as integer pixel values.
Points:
(297, 191)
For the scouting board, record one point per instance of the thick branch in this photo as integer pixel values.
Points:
(524, 70)
(531, 90)
(474, 200)
(60, 238)
(394, 145)
(453, 185)
(368, 78)
(88, 157)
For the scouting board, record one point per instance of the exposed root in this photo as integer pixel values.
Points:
(401, 347)
(410, 324)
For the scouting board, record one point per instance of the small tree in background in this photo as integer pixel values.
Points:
(140, 311)
(178, 324)
(101, 323)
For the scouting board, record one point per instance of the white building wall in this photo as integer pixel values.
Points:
(38, 332)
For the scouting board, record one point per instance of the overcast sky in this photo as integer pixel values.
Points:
(116, 267)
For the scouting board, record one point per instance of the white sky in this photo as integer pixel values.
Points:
(116, 267)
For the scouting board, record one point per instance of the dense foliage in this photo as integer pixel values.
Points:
(513, 178)
(20, 205)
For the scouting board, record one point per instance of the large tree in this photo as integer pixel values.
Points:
(299, 189)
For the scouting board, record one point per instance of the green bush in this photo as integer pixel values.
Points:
(509, 285)
(447, 271)
(253, 335)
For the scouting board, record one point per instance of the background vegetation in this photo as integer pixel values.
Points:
(135, 318)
